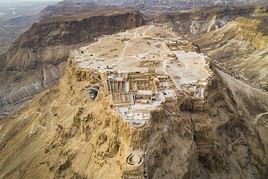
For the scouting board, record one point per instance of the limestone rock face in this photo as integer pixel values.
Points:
(36, 60)
(206, 19)
(65, 133)
(235, 37)
(239, 146)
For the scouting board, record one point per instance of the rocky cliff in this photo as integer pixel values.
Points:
(36, 60)
(234, 37)
(63, 133)
(238, 112)
(201, 20)
(240, 108)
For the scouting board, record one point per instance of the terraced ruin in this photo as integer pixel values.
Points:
(141, 70)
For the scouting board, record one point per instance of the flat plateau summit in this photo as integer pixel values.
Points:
(143, 68)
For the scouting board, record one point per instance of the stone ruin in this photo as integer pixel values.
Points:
(135, 166)
(136, 94)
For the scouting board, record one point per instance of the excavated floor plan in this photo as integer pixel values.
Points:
(142, 69)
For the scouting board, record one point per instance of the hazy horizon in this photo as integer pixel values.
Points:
(20, 1)
(16, 8)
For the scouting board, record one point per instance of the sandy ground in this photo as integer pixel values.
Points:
(126, 51)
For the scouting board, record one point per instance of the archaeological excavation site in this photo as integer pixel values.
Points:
(138, 73)
(137, 90)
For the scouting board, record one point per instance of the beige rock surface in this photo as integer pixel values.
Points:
(62, 133)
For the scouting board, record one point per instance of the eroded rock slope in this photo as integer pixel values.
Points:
(214, 127)
(36, 60)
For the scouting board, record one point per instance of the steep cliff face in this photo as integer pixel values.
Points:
(63, 133)
(36, 60)
(231, 142)
(66, 134)
(238, 112)
(237, 96)
(16, 18)
(39, 44)
(11, 29)
(201, 20)
(235, 37)
(241, 48)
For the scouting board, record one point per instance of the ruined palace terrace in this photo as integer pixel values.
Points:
(145, 67)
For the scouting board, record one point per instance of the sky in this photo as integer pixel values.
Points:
(9, 1)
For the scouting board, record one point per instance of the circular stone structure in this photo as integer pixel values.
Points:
(138, 124)
(135, 159)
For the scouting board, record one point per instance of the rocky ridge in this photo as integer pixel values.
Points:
(234, 37)
(66, 134)
(177, 3)
(36, 60)
(62, 133)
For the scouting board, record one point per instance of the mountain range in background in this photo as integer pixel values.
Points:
(206, 71)
(170, 3)
(16, 17)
